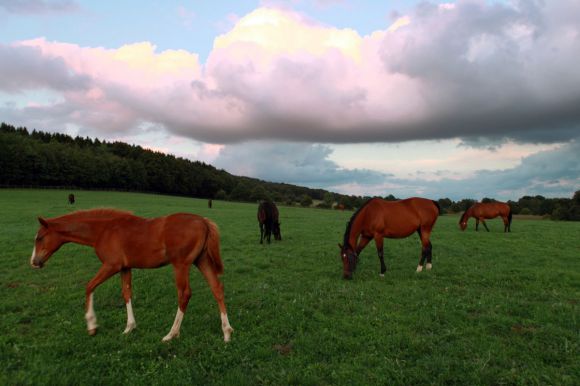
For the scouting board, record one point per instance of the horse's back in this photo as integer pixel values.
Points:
(491, 209)
(421, 209)
(401, 218)
(154, 242)
(183, 228)
(267, 211)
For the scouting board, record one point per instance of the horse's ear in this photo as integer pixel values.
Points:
(43, 222)
(340, 246)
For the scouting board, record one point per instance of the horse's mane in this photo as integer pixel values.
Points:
(99, 213)
(345, 241)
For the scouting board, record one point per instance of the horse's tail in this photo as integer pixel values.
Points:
(510, 213)
(212, 247)
(437, 206)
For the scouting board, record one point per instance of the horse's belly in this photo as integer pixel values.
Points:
(396, 230)
(146, 258)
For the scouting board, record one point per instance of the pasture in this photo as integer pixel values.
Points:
(496, 308)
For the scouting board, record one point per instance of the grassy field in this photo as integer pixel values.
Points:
(496, 309)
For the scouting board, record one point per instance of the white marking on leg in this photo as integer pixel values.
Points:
(429, 266)
(174, 332)
(32, 256)
(131, 324)
(419, 268)
(33, 251)
(91, 317)
(226, 328)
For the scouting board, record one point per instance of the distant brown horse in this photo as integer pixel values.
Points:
(123, 241)
(378, 219)
(71, 198)
(268, 219)
(482, 211)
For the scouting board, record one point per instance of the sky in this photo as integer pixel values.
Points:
(458, 99)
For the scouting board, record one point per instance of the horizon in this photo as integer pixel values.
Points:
(458, 99)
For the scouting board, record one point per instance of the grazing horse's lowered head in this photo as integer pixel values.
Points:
(46, 242)
(349, 260)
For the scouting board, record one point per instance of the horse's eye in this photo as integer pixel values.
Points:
(39, 238)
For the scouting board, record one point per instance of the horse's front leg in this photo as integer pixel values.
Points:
(261, 233)
(379, 244)
(126, 288)
(183, 295)
(105, 272)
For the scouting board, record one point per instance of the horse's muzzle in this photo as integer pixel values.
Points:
(37, 263)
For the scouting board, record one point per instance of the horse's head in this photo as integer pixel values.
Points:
(463, 222)
(46, 243)
(276, 231)
(349, 260)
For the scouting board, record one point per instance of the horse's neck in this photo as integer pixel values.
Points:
(355, 231)
(82, 231)
(468, 213)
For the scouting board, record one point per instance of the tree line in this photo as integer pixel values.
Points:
(40, 159)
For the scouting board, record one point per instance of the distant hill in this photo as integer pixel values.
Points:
(40, 159)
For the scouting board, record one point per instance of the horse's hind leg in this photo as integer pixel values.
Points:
(126, 284)
(217, 288)
(105, 272)
(485, 225)
(183, 295)
(426, 250)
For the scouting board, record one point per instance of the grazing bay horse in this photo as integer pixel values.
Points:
(378, 219)
(123, 241)
(71, 198)
(269, 221)
(487, 210)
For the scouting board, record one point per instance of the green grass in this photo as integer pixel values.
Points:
(496, 309)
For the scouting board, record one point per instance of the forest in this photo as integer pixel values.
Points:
(40, 159)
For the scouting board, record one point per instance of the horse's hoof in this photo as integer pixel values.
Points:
(381, 274)
(419, 268)
(429, 266)
(129, 328)
(169, 337)
(92, 332)
(228, 334)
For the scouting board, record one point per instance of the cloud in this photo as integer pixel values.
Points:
(39, 7)
(552, 173)
(470, 69)
(25, 68)
(293, 163)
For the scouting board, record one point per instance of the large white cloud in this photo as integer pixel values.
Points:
(470, 69)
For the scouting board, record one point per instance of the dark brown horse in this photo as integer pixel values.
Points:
(268, 218)
(123, 241)
(71, 198)
(378, 219)
(482, 211)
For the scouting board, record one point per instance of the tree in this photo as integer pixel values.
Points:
(305, 200)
